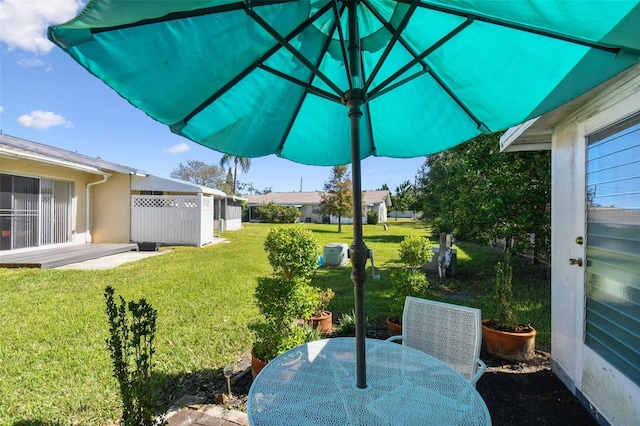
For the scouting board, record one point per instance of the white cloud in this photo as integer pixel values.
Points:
(1, 109)
(178, 149)
(31, 62)
(42, 120)
(24, 23)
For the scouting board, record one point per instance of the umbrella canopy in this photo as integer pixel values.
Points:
(253, 78)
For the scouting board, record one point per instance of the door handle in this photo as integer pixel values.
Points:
(577, 261)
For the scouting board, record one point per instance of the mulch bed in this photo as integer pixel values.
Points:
(529, 394)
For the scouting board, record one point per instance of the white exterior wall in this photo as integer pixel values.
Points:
(608, 391)
(232, 224)
(381, 208)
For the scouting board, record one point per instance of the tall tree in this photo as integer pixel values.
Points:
(200, 173)
(479, 193)
(337, 198)
(243, 162)
(404, 198)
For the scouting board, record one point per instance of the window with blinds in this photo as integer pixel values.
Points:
(613, 246)
(34, 212)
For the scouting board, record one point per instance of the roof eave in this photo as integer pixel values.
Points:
(536, 134)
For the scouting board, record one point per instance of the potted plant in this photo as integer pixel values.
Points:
(286, 295)
(281, 302)
(503, 336)
(322, 318)
(410, 280)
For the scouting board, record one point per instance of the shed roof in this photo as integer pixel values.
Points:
(155, 183)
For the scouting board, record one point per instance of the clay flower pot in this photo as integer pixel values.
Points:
(324, 321)
(395, 329)
(512, 346)
(256, 364)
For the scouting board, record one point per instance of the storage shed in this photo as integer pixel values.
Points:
(174, 212)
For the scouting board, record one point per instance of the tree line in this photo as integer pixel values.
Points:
(479, 194)
(473, 191)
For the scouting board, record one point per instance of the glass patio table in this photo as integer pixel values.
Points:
(315, 384)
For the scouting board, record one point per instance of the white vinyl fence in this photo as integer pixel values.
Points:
(172, 219)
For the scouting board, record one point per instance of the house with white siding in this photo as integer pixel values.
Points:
(309, 205)
(595, 243)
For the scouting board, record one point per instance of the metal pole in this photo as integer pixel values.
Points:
(358, 248)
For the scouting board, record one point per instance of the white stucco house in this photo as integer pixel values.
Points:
(50, 196)
(595, 245)
(309, 204)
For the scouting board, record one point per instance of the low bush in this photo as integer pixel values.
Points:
(372, 217)
(274, 213)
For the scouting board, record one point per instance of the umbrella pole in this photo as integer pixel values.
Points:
(358, 247)
(354, 100)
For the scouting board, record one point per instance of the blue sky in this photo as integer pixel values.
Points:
(46, 97)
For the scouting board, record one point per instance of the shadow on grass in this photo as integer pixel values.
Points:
(390, 239)
(205, 386)
(35, 422)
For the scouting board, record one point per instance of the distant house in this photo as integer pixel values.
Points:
(309, 205)
(50, 196)
(595, 243)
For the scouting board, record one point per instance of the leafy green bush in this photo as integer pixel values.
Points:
(347, 324)
(287, 295)
(372, 217)
(131, 343)
(273, 338)
(285, 300)
(415, 251)
(407, 282)
(274, 213)
(291, 251)
(282, 301)
(323, 299)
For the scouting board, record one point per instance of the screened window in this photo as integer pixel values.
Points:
(234, 210)
(613, 246)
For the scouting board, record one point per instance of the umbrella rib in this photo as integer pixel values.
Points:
(399, 83)
(316, 90)
(242, 74)
(422, 56)
(285, 43)
(391, 29)
(394, 38)
(312, 89)
(184, 14)
(521, 27)
(345, 61)
(386, 85)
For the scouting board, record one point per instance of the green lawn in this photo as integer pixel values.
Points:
(54, 365)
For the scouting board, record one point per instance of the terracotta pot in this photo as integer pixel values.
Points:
(394, 328)
(325, 322)
(507, 345)
(256, 364)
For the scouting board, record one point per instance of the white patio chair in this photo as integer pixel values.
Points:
(451, 333)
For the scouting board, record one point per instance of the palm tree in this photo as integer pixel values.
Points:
(244, 163)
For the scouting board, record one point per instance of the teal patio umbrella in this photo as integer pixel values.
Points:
(328, 82)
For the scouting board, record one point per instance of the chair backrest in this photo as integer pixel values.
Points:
(451, 333)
